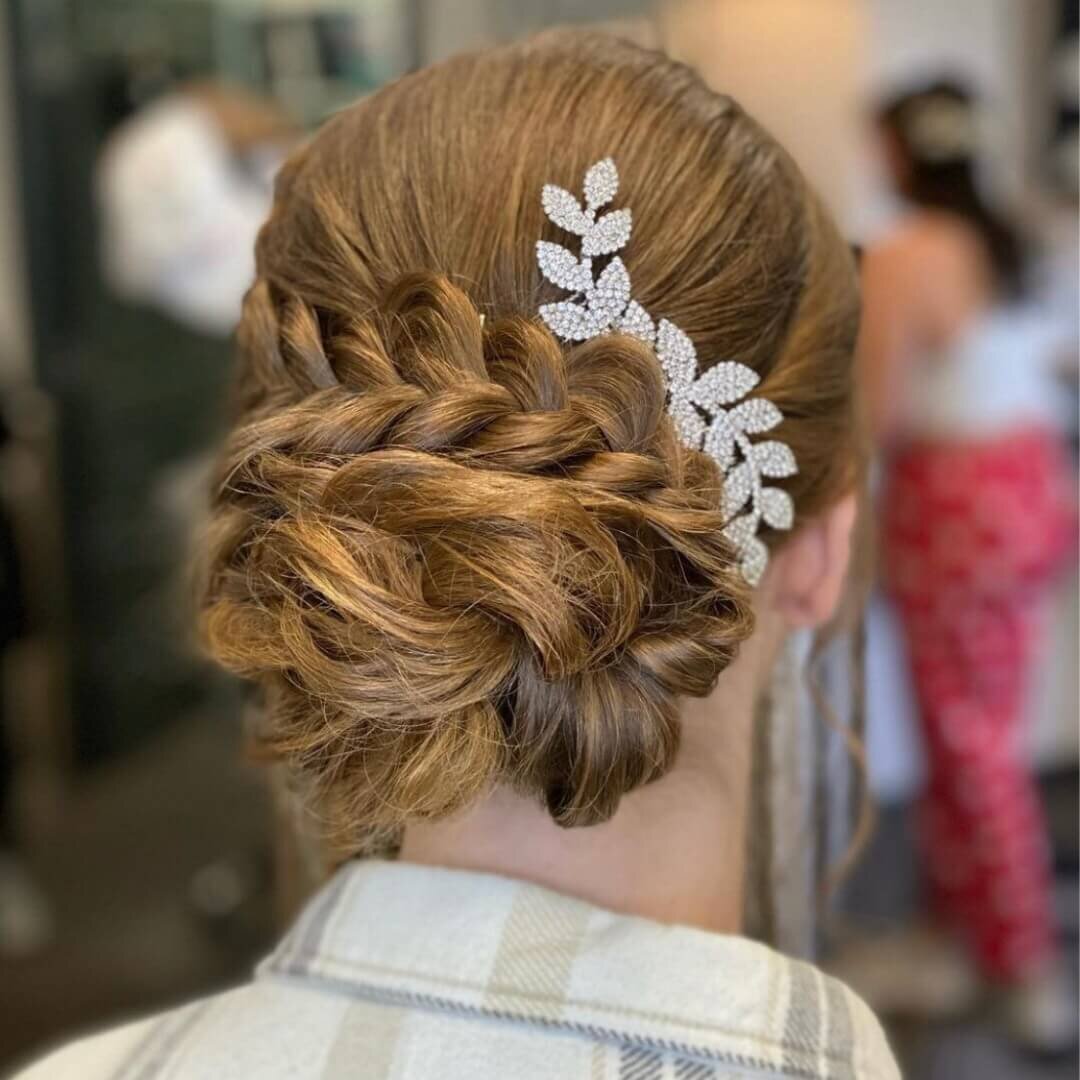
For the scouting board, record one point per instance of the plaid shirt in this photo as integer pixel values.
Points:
(400, 971)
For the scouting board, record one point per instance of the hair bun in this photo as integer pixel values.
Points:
(460, 556)
(455, 552)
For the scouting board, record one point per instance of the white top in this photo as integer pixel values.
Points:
(399, 972)
(179, 219)
(997, 377)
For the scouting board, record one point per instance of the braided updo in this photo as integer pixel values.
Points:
(452, 551)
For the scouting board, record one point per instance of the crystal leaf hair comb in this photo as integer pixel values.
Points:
(711, 411)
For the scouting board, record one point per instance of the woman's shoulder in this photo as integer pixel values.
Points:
(94, 1057)
(931, 273)
(457, 974)
(259, 1028)
(931, 239)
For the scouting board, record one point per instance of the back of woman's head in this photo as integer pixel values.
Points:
(935, 135)
(454, 551)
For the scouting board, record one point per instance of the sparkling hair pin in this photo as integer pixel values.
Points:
(711, 411)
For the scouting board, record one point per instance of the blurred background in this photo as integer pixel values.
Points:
(142, 861)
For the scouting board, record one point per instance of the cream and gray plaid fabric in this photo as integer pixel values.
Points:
(398, 972)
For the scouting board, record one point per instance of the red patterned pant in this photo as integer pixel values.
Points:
(973, 535)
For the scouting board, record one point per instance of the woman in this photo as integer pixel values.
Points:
(976, 522)
(472, 542)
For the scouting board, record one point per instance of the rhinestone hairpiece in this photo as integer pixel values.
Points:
(711, 411)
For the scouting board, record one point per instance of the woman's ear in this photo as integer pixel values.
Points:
(808, 571)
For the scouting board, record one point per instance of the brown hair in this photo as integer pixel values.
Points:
(452, 550)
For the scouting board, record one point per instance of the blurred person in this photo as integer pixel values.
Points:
(510, 615)
(978, 521)
(183, 186)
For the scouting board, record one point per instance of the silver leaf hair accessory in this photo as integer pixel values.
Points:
(711, 411)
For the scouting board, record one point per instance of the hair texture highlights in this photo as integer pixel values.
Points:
(453, 551)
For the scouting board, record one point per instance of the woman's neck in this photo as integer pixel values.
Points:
(673, 852)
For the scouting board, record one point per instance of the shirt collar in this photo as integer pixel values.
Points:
(487, 946)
